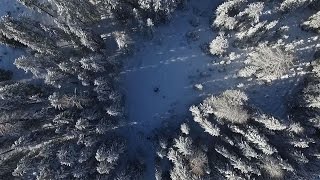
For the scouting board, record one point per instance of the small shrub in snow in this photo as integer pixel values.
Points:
(163, 143)
(198, 87)
(219, 45)
(122, 39)
(185, 128)
(150, 23)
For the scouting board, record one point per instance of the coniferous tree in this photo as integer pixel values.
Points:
(28, 33)
(40, 6)
(313, 22)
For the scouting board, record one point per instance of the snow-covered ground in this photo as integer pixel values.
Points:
(10, 7)
(8, 54)
(159, 78)
(7, 57)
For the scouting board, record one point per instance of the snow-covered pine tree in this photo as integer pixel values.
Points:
(253, 11)
(291, 5)
(40, 6)
(36, 64)
(9, 42)
(29, 33)
(227, 107)
(223, 18)
(219, 45)
(77, 10)
(313, 22)
(267, 63)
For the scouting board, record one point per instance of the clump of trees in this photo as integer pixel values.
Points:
(260, 34)
(261, 147)
(228, 137)
(311, 94)
(67, 126)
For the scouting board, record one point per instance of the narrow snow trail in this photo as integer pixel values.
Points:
(159, 78)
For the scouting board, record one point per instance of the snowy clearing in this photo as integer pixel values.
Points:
(159, 79)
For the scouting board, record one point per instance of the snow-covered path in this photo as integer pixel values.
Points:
(159, 79)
